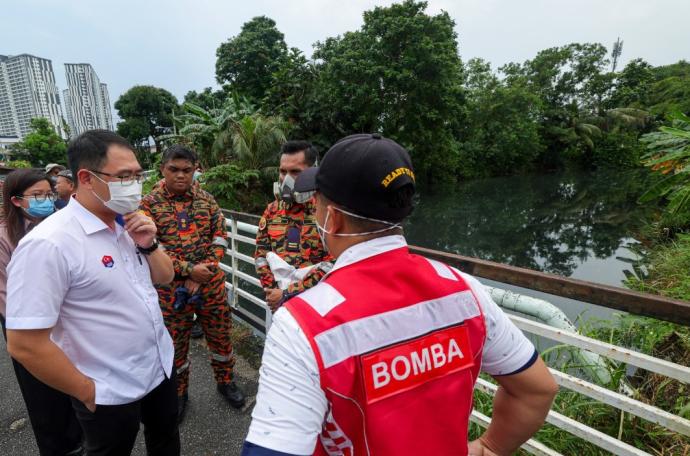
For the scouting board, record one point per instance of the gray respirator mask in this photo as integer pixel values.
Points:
(286, 191)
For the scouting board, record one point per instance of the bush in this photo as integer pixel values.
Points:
(618, 150)
(19, 164)
(235, 188)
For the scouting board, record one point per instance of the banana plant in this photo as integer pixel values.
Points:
(669, 154)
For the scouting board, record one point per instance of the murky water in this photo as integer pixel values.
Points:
(580, 225)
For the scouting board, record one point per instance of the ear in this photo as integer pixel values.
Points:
(84, 177)
(336, 219)
(16, 201)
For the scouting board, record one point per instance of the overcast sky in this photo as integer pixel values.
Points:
(172, 43)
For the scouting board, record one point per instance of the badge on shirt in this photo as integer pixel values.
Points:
(184, 223)
(108, 261)
(293, 235)
(407, 365)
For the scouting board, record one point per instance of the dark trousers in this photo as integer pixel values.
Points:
(112, 429)
(55, 426)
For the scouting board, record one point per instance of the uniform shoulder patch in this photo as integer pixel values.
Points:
(262, 223)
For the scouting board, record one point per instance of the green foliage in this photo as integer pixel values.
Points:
(668, 153)
(207, 98)
(652, 337)
(42, 145)
(400, 74)
(292, 96)
(489, 148)
(256, 141)
(19, 164)
(234, 187)
(248, 60)
(209, 131)
(146, 111)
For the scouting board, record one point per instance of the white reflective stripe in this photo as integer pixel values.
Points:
(442, 269)
(220, 241)
(183, 367)
(261, 262)
(366, 334)
(323, 298)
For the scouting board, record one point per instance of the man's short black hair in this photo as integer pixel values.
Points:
(295, 146)
(178, 151)
(89, 150)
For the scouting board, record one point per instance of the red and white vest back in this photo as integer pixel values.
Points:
(398, 341)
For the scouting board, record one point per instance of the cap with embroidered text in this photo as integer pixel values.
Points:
(364, 173)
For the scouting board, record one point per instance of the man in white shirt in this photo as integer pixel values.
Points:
(82, 311)
(382, 355)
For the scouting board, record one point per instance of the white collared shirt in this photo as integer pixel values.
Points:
(290, 405)
(74, 274)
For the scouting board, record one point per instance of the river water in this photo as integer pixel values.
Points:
(580, 225)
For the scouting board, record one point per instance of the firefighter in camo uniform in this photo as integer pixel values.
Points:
(288, 229)
(191, 227)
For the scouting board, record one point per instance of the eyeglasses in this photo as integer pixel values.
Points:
(40, 197)
(127, 179)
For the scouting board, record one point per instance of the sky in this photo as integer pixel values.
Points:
(172, 43)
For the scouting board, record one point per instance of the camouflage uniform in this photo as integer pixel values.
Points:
(289, 230)
(191, 227)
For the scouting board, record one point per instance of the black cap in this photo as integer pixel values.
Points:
(363, 172)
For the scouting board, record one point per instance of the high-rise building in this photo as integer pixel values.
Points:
(27, 90)
(86, 99)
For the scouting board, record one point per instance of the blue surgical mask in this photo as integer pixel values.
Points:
(40, 209)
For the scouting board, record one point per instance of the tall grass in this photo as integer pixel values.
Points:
(664, 340)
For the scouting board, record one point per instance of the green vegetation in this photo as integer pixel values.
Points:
(146, 111)
(41, 146)
(400, 74)
(660, 339)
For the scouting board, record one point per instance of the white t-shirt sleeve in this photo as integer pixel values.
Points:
(506, 348)
(290, 405)
(38, 278)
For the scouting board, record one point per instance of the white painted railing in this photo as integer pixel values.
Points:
(253, 311)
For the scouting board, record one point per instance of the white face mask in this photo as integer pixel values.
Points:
(123, 198)
(323, 230)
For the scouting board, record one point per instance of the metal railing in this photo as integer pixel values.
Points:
(251, 309)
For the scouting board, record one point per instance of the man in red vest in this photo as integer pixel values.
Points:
(381, 357)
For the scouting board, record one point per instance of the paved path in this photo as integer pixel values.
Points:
(211, 427)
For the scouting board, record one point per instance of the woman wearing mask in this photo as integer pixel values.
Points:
(27, 199)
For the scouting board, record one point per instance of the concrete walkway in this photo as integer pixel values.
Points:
(211, 427)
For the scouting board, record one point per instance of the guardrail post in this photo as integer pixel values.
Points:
(233, 261)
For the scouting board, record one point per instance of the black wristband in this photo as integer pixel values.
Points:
(148, 250)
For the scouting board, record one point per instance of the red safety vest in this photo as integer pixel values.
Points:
(398, 340)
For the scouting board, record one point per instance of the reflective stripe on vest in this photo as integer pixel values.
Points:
(398, 341)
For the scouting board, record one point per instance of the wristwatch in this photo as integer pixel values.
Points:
(148, 250)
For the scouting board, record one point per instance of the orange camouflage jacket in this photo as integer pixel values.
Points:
(191, 227)
(289, 230)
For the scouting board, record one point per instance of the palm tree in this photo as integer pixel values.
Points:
(209, 131)
(256, 141)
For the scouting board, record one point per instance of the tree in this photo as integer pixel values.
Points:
(146, 111)
(488, 148)
(573, 86)
(292, 96)
(400, 75)
(209, 131)
(207, 98)
(632, 85)
(256, 141)
(671, 91)
(247, 61)
(42, 145)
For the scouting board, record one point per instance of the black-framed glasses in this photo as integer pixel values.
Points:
(40, 197)
(127, 179)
